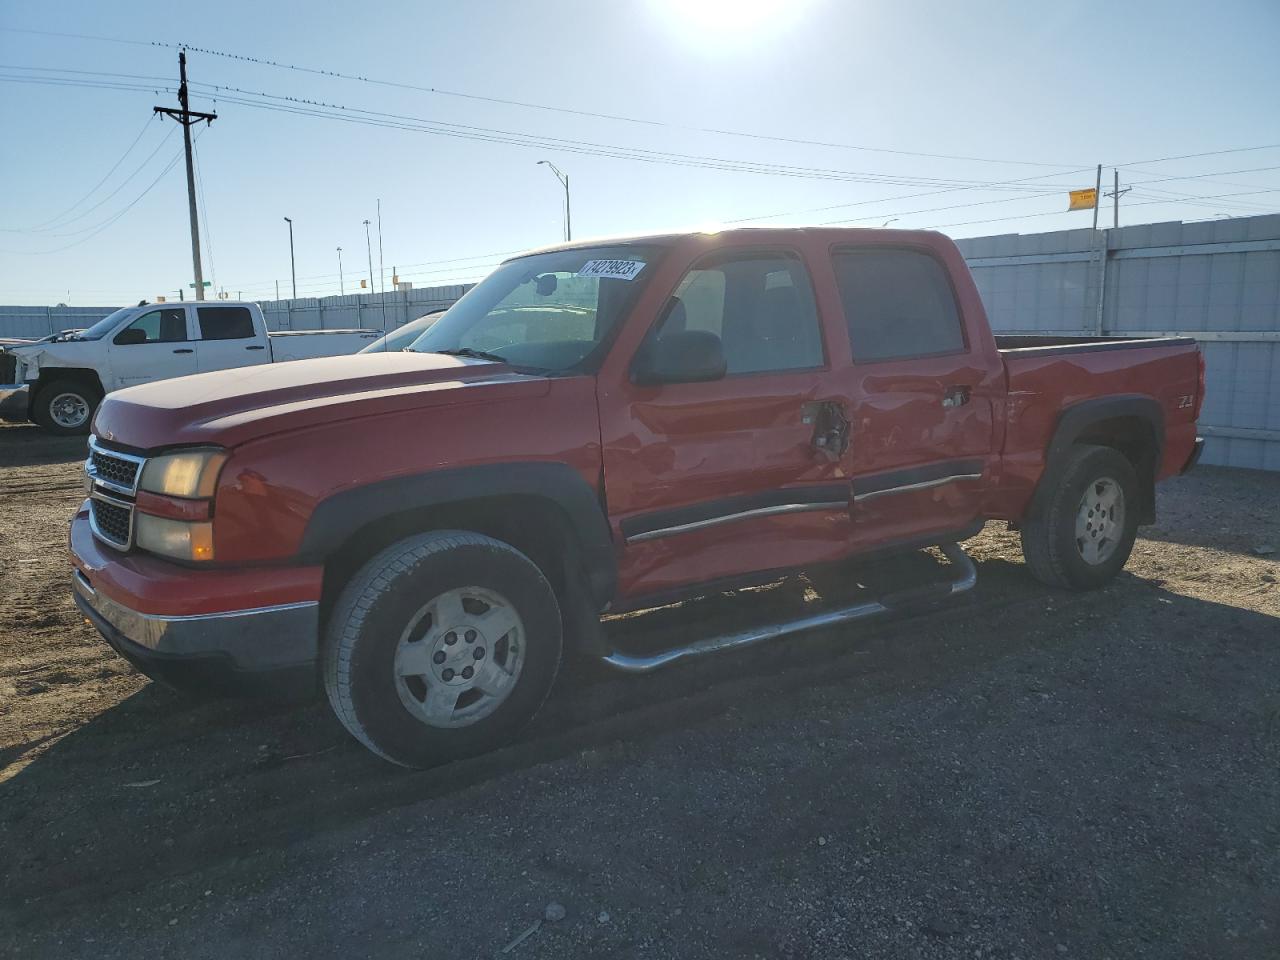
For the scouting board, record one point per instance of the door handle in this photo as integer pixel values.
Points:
(830, 427)
(956, 396)
(184, 350)
(256, 346)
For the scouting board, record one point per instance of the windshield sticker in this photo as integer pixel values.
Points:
(612, 269)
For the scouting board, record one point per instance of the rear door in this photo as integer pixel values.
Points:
(228, 338)
(156, 345)
(921, 390)
(718, 479)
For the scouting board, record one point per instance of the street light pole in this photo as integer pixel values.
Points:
(564, 181)
(368, 246)
(342, 289)
(293, 270)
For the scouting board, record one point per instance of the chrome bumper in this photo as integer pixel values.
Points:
(254, 640)
(14, 401)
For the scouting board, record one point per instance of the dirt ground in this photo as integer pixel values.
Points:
(1018, 773)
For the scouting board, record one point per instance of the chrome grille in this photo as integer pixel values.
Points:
(111, 520)
(112, 469)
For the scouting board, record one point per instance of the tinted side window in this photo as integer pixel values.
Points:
(225, 323)
(761, 306)
(156, 326)
(898, 303)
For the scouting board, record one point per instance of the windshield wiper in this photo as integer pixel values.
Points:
(473, 354)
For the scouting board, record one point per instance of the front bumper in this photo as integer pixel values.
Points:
(15, 401)
(252, 649)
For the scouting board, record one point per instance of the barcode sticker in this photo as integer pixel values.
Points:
(612, 269)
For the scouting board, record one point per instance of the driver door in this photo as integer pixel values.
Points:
(713, 480)
(155, 346)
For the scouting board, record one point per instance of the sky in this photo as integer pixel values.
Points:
(973, 118)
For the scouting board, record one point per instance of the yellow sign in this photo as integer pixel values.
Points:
(1083, 199)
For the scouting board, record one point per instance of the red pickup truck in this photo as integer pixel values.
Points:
(599, 427)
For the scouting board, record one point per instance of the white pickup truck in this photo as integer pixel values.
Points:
(59, 382)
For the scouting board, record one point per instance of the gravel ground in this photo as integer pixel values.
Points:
(1019, 773)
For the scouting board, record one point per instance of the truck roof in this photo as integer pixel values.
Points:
(833, 234)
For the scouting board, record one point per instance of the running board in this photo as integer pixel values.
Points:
(966, 577)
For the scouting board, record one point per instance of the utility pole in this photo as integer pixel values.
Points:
(1097, 197)
(342, 289)
(292, 268)
(186, 116)
(382, 272)
(564, 182)
(1116, 193)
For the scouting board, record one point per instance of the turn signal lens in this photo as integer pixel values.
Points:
(173, 538)
(190, 473)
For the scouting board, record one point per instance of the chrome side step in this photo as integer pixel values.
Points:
(966, 577)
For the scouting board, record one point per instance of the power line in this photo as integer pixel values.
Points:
(106, 223)
(88, 210)
(529, 105)
(1050, 213)
(115, 166)
(325, 110)
(204, 213)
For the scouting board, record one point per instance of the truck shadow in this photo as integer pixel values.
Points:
(25, 444)
(161, 785)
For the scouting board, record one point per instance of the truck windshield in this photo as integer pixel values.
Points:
(105, 325)
(548, 312)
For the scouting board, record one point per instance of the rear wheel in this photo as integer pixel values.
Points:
(1083, 536)
(66, 407)
(442, 646)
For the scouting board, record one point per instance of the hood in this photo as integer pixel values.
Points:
(230, 407)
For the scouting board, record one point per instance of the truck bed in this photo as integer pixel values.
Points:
(1046, 375)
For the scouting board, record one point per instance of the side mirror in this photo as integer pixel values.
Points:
(680, 356)
(129, 337)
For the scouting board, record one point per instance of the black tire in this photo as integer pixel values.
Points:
(1049, 541)
(387, 595)
(56, 393)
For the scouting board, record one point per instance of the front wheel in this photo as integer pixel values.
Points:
(65, 407)
(442, 646)
(1083, 536)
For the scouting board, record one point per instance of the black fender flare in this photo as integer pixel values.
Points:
(339, 517)
(1076, 419)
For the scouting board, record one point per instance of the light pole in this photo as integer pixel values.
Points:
(293, 270)
(342, 290)
(368, 246)
(564, 180)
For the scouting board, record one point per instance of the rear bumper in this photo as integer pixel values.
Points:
(269, 648)
(1195, 455)
(15, 401)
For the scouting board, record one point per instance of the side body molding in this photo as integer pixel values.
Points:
(342, 515)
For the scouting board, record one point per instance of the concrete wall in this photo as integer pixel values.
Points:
(1218, 281)
(367, 311)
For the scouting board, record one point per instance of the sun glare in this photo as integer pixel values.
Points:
(713, 25)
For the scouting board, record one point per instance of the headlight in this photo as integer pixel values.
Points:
(173, 538)
(190, 473)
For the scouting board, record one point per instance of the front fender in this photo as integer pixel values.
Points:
(339, 517)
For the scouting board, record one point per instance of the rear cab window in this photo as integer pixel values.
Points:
(225, 323)
(898, 304)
